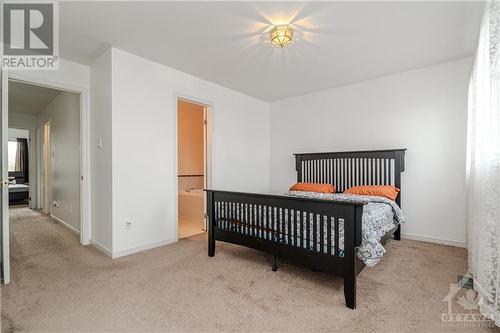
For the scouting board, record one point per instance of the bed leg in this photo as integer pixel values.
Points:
(275, 263)
(352, 234)
(211, 223)
(211, 248)
(397, 233)
(350, 292)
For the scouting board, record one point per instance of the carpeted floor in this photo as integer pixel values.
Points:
(59, 286)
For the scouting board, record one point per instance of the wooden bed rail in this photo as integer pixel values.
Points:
(301, 229)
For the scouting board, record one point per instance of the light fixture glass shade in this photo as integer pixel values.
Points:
(281, 36)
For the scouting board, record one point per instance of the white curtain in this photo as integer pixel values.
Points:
(483, 165)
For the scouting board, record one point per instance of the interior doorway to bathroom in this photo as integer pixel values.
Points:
(192, 167)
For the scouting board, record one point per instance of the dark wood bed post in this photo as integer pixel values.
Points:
(211, 222)
(352, 240)
(399, 165)
(298, 167)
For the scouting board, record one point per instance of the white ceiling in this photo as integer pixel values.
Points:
(28, 98)
(227, 42)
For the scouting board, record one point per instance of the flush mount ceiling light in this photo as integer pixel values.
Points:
(281, 35)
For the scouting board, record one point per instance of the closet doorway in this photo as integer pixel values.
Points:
(192, 166)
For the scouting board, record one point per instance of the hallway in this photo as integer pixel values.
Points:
(34, 234)
(44, 258)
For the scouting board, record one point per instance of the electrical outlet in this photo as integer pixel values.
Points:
(128, 224)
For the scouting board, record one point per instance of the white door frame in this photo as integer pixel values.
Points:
(47, 168)
(39, 167)
(5, 176)
(85, 144)
(209, 160)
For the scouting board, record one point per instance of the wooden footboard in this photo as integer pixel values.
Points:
(300, 229)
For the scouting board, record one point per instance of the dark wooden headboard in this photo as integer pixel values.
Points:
(352, 168)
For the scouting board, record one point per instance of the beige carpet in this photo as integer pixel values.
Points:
(59, 286)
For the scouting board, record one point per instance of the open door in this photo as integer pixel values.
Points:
(4, 182)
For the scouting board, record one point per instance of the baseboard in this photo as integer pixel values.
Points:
(58, 220)
(124, 253)
(434, 240)
(102, 248)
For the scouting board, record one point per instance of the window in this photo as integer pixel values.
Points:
(12, 149)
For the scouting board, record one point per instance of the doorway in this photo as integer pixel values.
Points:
(51, 145)
(192, 170)
(79, 153)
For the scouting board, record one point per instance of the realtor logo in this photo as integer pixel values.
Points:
(459, 297)
(30, 35)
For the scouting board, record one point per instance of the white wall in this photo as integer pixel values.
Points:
(64, 116)
(423, 110)
(69, 74)
(143, 139)
(16, 133)
(101, 152)
(22, 120)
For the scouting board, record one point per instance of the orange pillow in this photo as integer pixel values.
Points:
(387, 191)
(313, 187)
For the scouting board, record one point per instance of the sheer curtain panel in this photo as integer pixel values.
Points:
(483, 165)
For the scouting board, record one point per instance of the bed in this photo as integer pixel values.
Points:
(321, 231)
(18, 194)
